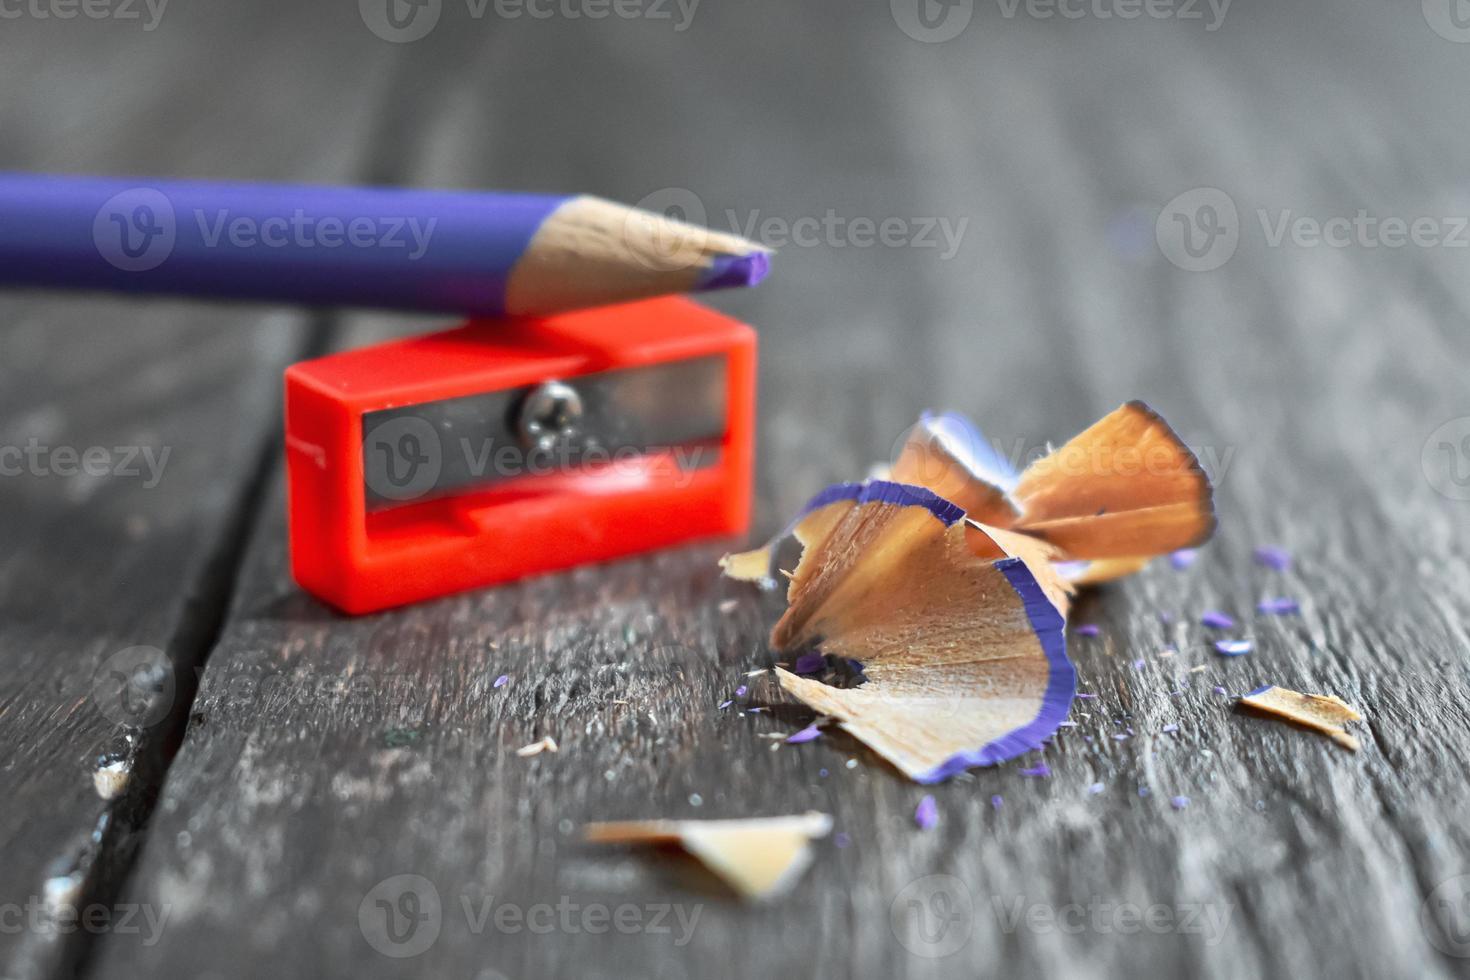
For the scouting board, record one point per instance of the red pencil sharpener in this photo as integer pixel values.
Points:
(502, 449)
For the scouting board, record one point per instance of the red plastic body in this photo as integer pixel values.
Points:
(361, 559)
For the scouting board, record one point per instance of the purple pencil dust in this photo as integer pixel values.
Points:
(1219, 689)
(1179, 802)
(997, 801)
(1086, 694)
(1087, 629)
(927, 814)
(725, 704)
(1040, 771)
(1095, 789)
(1282, 606)
(1233, 648)
(805, 735)
(1273, 557)
(741, 691)
(1215, 619)
(501, 681)
(1183, 558)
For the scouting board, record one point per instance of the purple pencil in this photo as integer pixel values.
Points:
(477, 253)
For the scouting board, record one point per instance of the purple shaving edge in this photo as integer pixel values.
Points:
(1087, 629)
(1040, 771)
(1183, 558)
(1179, 802)
(730, 271)
(1215, 619)
(1233, 648)
(501, 681)
(1282, 606)
(927, 814)
(885, 492)
(1061, 685)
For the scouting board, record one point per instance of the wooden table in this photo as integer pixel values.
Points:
(294, 759)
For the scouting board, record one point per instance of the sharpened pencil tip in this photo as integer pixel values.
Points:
(730, 271)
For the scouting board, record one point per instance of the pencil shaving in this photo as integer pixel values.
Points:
(1123, 491)
(759, 858)
(963, 657)
(1324, 713)
(948, 580)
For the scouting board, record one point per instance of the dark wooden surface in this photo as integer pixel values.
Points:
(322, 755)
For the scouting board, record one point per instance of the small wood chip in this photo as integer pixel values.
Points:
(1320, 712)
(547, 744)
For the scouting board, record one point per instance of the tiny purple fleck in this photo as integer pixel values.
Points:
(1041, 770)
(805, 735)
(810, 663)
(841, 839)
(1278, 607)
(1138, 664)
(1085, 694)
(1168, 729)
(927, 814)
(1143, 792)
(1179, 802)
(1120, 737)
(1183, 558)
(1088, 629)
(502, 680)
(1094, 789)
(997, 801)
(1219, 689)
(1273, 557)
(1166, 617)
(725, 704)
(1218, 620)
(741, 691)
(1233, 648)
(822, 773)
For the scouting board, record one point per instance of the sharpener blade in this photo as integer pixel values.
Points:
(416, 452)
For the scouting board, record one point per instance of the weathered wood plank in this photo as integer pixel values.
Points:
(326, 755)
(122, 559)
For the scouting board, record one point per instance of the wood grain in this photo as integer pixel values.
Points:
(325, 756)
